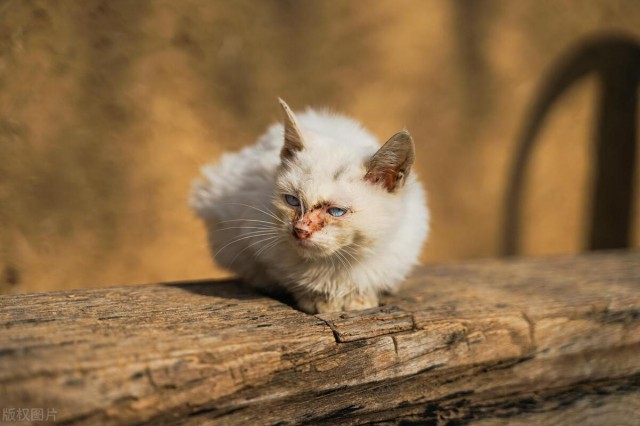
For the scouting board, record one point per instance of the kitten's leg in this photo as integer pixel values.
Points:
(313, 303)
(358, 302)
(325, 305)
(306, 303)
(317, 303)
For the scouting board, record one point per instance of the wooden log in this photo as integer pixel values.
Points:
(548, 341)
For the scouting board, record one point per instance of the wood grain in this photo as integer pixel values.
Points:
(549, 341)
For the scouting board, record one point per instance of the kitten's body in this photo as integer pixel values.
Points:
(328, 263)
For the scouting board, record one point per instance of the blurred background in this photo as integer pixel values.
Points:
(109, 108)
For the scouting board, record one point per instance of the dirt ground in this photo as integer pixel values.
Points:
(109, 108)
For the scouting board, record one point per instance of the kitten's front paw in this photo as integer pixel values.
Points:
(320, 304)
(307, 303)
(358, 302)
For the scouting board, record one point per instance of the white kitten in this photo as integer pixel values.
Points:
(318, 209)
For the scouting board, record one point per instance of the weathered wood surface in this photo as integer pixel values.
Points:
(548, 341)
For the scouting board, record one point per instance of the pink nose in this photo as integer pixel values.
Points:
(301, 232)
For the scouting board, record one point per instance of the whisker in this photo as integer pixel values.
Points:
(261, 248)
(244, 237)
(358, 245)
(333, 266)
(268, 210)
(266, 248)
(260, 210)
(345, 259)
(340, 259)
(247, 227)
(271, 231)
(250, 245)
(349, 267)
(346, 251)
(358, 249)
(248, 220)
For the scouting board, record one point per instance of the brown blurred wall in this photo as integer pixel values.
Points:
(108, 109)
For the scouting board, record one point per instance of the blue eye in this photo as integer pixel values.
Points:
(336, 212)
(291, 200)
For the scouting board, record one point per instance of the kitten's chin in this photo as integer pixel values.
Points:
(310, 249)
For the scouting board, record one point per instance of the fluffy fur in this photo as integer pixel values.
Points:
(323, 160)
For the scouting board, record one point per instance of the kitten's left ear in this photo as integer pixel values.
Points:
(292, 133)
(390, 166)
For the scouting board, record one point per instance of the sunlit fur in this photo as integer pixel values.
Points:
(370, 249)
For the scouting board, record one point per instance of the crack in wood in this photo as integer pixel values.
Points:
(532, 329)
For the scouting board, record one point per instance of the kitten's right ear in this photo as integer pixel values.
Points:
(292, 133)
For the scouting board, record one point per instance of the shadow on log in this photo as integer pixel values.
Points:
(548, 341)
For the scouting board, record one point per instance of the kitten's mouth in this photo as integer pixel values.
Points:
(307, 247)
(305, 243)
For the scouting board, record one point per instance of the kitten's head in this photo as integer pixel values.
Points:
(339, 193)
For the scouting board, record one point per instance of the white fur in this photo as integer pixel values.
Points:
(241, 201)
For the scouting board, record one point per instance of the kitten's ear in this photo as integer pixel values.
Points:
(292, 133)
(390, 166)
